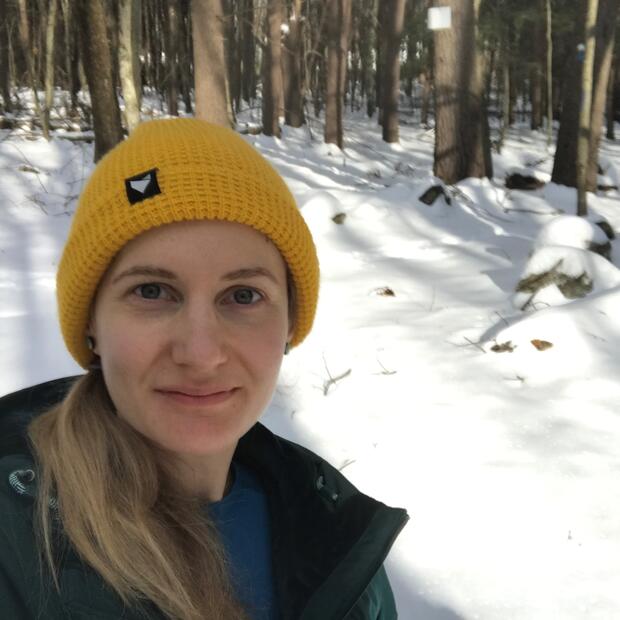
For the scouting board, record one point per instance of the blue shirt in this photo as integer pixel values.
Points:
(242, 519)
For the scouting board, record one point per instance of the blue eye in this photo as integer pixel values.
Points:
(246, 296)
(149, 291)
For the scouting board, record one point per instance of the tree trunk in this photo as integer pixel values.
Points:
(380, 58)
(97, 61)
(171, 26)
(130, 12)
(248, 61)
(536, 75)
(584, 135)
(462, 147)
(291, 67)
(24, 39)
(5, 80)
(549, 74)
(338, 26)
(272, 69)
(611, 90)
(392, 29)
(185, 61)
(49, 66)
(209, 62)
(427, 91)
(605, 37)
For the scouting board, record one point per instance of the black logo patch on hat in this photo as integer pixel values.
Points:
(142, 186)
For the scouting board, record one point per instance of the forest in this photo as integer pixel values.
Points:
(305, 62)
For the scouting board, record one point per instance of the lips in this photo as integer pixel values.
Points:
(194, 391)
(197, 396)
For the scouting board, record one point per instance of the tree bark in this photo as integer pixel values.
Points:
(536, 75)
(549, 73)
(172, 51)
(211, 81)
(462, 147)
(291, 68)
(130, 12)
(248, 61)
(24, 39)
(611, 108)
(272, 69)
(97, 61)
(605, 38)
(338, 26)
(586, 108)
(49, 66)
(394, 15)
(5, 80)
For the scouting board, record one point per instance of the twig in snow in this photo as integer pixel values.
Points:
(474, 344)
(332, 380)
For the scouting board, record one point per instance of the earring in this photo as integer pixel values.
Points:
(287, 348)
(90, 343)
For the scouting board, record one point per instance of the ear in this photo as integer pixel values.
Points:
(90, 335)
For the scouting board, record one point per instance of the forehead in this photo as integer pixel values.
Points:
(201, 242)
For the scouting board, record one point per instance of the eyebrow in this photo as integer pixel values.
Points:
(158, 272)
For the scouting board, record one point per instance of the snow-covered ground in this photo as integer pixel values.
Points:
(506, 461)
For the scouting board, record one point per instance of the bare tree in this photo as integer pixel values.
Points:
(97, 61)
(210, 78)
(49, 66)
(291, 68)
(5, 79)
(25, 41)
(338, 27)
(605, 38)
(172, 23)
(130, 12)
(272, 69)
(462, 147)
(392, 29)
(248, 62)
(549, 73)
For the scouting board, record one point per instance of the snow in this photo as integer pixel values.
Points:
(570, 230)
(506, 461)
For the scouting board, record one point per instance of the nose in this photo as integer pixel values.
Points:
(199, 339)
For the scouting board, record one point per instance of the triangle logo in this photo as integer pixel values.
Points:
(142, 186)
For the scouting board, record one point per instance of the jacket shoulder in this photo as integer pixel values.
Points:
(18, 409)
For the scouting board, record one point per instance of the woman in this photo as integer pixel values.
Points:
(150, 490)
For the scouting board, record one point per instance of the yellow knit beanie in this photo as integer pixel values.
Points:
(170, 171)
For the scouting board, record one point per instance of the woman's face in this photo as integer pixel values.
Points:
(190, 322)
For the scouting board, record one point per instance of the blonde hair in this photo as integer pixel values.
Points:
(122, 512)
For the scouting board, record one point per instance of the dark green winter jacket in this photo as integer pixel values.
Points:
(329, 540)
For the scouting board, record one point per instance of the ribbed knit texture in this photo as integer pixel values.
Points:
(204, 171)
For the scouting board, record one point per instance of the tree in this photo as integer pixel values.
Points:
(462, 147)
(392, 29)
(291, 68)
(49, 66)
(171, 81)
(605, 38)
(97, 61)
(129, 63)
(338, 27)
(586, 107)
(272, 69)
(582, 110)
(210, 78)
(5, 80)
(248, 62)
